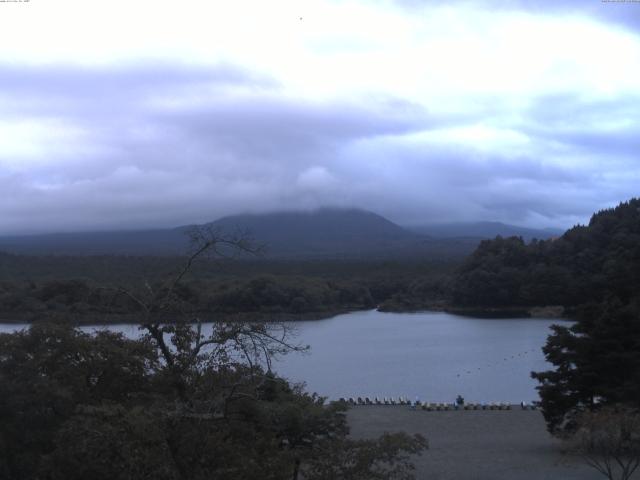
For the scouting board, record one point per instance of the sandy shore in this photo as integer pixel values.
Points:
(476, 444)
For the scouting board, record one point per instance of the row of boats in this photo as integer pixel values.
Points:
(378, 401)
(434, 406)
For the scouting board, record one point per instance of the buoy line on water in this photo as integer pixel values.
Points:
(493, 365)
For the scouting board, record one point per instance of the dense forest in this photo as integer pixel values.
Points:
(588, 263)
(88, 289)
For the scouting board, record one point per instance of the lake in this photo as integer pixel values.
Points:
(431, 355)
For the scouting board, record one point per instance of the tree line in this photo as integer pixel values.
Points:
(588, 263)
(273, 290)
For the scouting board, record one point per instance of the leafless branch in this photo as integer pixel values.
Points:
(609, 440)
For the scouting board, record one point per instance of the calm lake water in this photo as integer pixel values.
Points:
(431, 355)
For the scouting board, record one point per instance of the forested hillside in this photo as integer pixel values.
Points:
(87, 289)
(586, 264)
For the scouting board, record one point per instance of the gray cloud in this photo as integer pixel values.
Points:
(164, 145)
(457, 183)
(159, 156)
(610, 128)
(124, 81)
(624, 14)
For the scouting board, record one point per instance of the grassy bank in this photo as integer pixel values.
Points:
(476, 444)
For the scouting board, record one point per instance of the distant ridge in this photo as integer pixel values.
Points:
(484, 230)
(126, 242)
(324, 233)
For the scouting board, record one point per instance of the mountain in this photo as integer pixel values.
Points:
(483, 230)
(324, 233)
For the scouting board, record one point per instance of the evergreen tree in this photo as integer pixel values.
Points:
(597, 363)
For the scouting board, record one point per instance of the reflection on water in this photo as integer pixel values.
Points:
(431, 355)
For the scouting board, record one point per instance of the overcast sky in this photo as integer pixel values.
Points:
(121, 114)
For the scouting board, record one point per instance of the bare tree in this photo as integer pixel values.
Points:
(608, 440)
(177, 331)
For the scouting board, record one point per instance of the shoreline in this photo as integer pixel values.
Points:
(546, 312)
(132, 318)
(554, 312)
